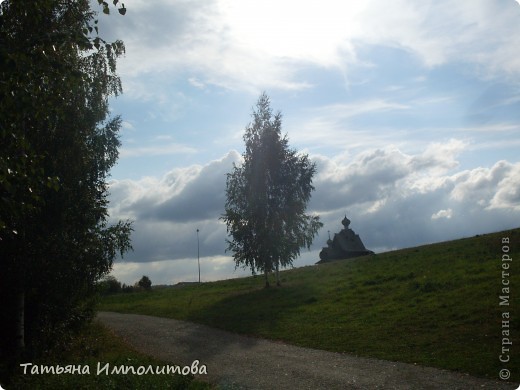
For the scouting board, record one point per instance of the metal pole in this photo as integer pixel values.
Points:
(198, 252)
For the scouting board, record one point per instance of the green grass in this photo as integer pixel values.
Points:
(434, 305)
(97, 344)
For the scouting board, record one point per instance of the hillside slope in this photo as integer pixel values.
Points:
(435, 305)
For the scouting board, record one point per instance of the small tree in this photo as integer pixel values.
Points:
(267, 197)
(145, 283)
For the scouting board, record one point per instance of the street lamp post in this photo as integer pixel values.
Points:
(198, 252)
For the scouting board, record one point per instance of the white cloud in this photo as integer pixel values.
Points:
(127, 126)
(303, 30)
(507, 195)
(394, 203)
(479, 185)
(447, 31)
(255, 45)
(443, 214)
(196, 83)
(439, 156)
(180, 270)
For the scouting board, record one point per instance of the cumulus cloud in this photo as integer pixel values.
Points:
(394, 200)
(438, 156)
(507, 195)
(480, 185)
(167, 211)
(423, 204)
(443, 214)
(196, 194)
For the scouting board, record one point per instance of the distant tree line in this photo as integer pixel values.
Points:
(110, 285)
(58, 144)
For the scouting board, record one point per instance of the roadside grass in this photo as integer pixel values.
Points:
(97, 344)
(434, 305)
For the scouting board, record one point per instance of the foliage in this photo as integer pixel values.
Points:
(267, 196)
(435, 305)
(145, 283)
(58, 146)
(109, 285)
(127, 288)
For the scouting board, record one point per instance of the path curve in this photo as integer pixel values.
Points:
(241, 362)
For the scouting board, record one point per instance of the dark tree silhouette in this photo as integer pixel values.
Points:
(267, 197)
(58, 146)
(145, 283)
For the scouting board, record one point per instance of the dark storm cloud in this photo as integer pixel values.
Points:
(201, 198)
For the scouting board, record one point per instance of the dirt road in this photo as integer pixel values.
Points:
(239, 362)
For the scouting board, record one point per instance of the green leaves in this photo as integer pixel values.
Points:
(104, 4)
(267, 196)
(58, 145)
(106, 8)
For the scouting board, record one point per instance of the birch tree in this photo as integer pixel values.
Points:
(58, 145)
(267, 197)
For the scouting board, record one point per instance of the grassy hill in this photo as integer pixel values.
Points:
(434, 305)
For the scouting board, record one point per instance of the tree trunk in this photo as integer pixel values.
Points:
(20, 323)
(278, 274)
(266, 279)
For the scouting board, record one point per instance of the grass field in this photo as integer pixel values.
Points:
(434, 305)
(97, 344)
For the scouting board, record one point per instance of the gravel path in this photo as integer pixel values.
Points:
(240, 362)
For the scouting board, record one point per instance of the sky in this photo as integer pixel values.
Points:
(410, 110)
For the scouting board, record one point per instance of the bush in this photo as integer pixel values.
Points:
(109, 285)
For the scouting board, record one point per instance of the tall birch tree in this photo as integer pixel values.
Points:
(267, 197)
(58, 146)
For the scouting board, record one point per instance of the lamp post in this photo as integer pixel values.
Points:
(198, 252)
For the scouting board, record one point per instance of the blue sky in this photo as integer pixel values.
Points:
(411, 111)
